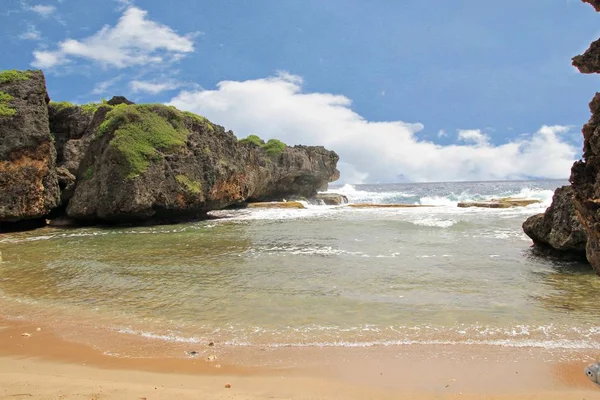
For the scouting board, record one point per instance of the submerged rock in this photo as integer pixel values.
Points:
(28, 180)
(329, 199)
(559, 227)
(507, 202)
(277, 204)
(369, 205)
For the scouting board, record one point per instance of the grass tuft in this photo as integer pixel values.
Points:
(5, 109)
(194, 187)
(12, 75)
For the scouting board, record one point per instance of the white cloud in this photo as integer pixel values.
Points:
(442, 133)
(275, 107)
(123, 4)
(153, 87)
(473, 136)
(31, 34)
(43, 10)
(102, 87)
(134, 40)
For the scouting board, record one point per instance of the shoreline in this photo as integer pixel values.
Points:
(45, 366)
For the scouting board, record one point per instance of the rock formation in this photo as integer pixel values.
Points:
(507, 202)
(594, 3)
(28, 178)
(119, 162)
(585, 174)
(156, 162)
(558, 228)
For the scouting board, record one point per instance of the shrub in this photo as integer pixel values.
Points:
(274, 147)
(253, 139)
(62, 105)
(13, 75)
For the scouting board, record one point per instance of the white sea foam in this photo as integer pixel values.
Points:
(435, 222)
(520, 336)
(386, 197)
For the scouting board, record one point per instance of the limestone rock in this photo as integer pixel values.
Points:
(277, 204)
(154, 162)
(28, 180)
(594, 3)
(559, 226)
(499, 203)
(589, 62)
(329, 199)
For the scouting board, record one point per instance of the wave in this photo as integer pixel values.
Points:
(449, 200)
(521, 336)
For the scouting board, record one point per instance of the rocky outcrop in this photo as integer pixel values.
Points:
(28, 179)
(155, 162)
(507, 202)
(589, 62)
(559, 227)
(119, 162)
(585, 174)
(594, 3)
(329, 199)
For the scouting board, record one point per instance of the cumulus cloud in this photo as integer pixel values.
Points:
(134, 40)
(153, 87)
(473, 136)
(43, 10)
(372, 151)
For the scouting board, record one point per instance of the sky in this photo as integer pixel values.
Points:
(407, 90)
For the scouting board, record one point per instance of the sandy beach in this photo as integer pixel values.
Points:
(43, 366)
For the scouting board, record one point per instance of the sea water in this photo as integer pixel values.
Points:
(327, 276)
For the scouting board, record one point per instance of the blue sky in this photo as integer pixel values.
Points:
(403, 90)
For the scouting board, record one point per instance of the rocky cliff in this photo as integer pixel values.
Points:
(594, 3)
(28, 178)
(120, 162)
(156, 162)
(585, 174)
(558, 228)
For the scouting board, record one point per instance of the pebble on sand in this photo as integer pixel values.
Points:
(26, 334)
(228, 386)
(211, 358)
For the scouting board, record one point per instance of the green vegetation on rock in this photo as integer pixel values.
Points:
(62, 105)
(89, 108)
(274, 147)
(5, 109)
(192, 186)
(253, 139)
(141, 132)
(13, 75)
(88, 174)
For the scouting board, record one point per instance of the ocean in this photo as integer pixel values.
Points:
(325, 276)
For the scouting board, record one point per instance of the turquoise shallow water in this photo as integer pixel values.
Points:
(324, 276)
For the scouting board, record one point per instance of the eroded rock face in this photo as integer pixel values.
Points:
(155, 162)
(594, 3)
(585, 174)
(585, 180)
(589, 62)
(559, 227)
(28, 180)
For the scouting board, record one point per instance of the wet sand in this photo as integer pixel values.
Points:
(44, 366)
